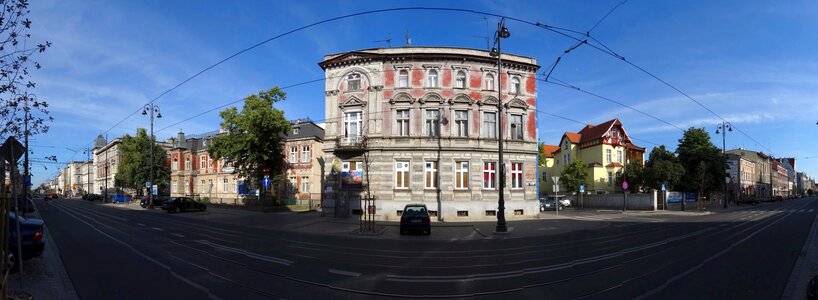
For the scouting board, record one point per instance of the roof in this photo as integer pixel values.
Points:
(550, 149)
(573, 137)
(630, 145)
(590, 132)
(422, 53)
(594, 164)
(615, 164)
(306, 129)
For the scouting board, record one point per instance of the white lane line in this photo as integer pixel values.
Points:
(346, 273)
(802, 210)
(157, 229)
(140, 224)
(811, 210)
(248, 253)
(176, 235)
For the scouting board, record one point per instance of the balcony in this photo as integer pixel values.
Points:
(350, 143)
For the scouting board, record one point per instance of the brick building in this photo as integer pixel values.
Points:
(304, 152)
(419, 124)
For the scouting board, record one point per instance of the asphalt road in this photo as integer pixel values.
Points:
(112, 253)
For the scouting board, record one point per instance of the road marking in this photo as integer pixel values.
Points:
(140, 224)
(347, 273)
(157, 229)
(248, 253)
(802, 210)
(810, 210)
(177, 235)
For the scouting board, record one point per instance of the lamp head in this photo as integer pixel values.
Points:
(718, 132)
(159, 115)
(504, 33)
(494, 52)
(730, 128)
(144, 112)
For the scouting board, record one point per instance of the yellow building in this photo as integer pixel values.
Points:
(605, 148)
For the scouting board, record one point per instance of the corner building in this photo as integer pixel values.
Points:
(419, 125)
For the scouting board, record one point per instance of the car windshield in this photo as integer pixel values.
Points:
(414, 210)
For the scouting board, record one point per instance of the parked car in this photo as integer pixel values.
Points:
(31, 233)
(182, 204)
(563, 200)
(92, 197)
(26, 206)
(157, 201)
(779, 198)
(550, 203)
(415, 217)
(748, 200)
(121, 198)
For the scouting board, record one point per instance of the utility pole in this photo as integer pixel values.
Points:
(502, 33)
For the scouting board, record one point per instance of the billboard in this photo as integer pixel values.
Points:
(352, 179)
(676, 197)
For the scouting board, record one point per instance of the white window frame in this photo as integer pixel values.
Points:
(349, 120)
(608, 155)
(401, 175)
(490, 169)
(225, 185)
(516, 175)
(430, 172)
(187, 187)
(174, 186)
(351, 78)
(461, 124)
(293, 154)
(610, 178)
(305, 184)
(431, 125)
(490, 81)
(202, 188)
(461, 79)
(174, 165)
(295, 130)
(488, 133)
(619, 156)
(433, 78)
(515, 86)
(402, 122)
(293, 184)
(305, 154)
(516, 129)
(187, 163)
(461, 169)
(401, 82)
(203, 162)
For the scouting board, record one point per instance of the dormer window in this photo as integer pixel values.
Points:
(354, 82)
(432, 79)
(295, 130)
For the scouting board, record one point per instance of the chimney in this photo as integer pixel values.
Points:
(181, 139)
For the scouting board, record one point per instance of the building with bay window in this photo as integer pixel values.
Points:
(420, 125)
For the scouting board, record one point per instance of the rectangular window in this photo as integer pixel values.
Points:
(402, 175)
(461, 175)
(565, 158)
(305, 154)
(516, 175)
(305, 184)
(293, 185)
(202, 187)
(175, 165)
(224, 185)
(461, 123)
(402, 117)
(489, 175)
(173, 187)
(432, 79)
(430, 174)
(187, 163)
(403, 78)
(610, 178)
(235, 189)
(490, 82)
(490, 125)
(569, 159)
(187, 187)
(293, 155)
(517, 127)
(352, 124)
(202, 162)
(619, 156)
(608, 155)
(432, 122)
(210, 185)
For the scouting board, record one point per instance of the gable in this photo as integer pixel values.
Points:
(352, 101)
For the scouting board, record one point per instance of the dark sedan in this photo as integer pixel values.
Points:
(415, 217)
(92, 197)
(31, 233)
(182, 204)
(550, 204)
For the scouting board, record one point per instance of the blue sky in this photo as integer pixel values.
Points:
(754, 63)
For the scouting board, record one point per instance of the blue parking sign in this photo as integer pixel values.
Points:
(582, 188)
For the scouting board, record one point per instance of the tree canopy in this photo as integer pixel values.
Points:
(573, 175)
(635, 175)
(705, 167)
(133, 170)
(663, 167)
(254, 138)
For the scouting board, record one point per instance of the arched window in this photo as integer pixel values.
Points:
(515, 85)
(403, 79)
(460, 80)
(490, 82)
(431, 78)
(354, 82)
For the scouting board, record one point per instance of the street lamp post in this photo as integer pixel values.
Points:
(152, 108)
(502, 33)
(724, 127)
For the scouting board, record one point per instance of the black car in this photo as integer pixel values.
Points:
(157, 201)
(31, 233)
(550, 204)
(748, 200)
(182, 204)
(415, 217)
(91, 197)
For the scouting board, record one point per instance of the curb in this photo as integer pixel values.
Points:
(800, 275)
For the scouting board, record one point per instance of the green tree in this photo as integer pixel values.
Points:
(573, 175)
(540, 154)
(663, 167)
(635, 175)
(254, 138)
(134, 168)
(705, 167)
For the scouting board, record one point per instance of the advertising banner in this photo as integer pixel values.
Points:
(690, 197)
(352, 179)
(675, 197)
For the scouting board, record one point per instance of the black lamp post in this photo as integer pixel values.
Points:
(151, 108)
(502, 33)
(724, 127)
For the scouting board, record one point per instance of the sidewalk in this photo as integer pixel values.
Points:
(44, 277)
(805, 267)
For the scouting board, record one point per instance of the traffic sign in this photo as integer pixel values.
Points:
(663, 187)
(27, 180)
(148, 184)
(266, 181)
(624, 185)
(581, 188)
(155, 190)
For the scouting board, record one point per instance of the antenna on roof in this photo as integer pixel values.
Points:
(408, 39)
(388, 40)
